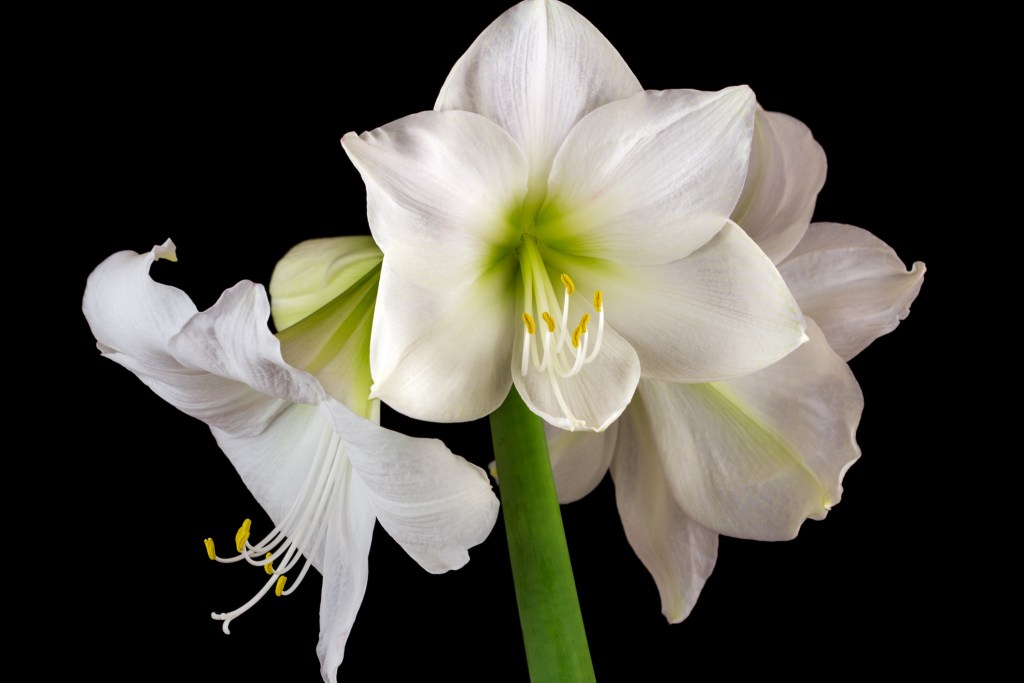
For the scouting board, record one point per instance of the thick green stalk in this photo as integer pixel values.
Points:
(549, 611)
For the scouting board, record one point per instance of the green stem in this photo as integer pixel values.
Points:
(549, 611)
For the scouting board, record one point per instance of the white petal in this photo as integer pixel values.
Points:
(755, 456)
(536, 71)
(678, 552)
(222, 366)
(852, 283)
(332, 342)
(435, 504)
(651, 178)
(314, 272)
(579, 460)
(443, 187)
(591, 400)
(787, 171)
(131, 314)
(231, 339)
(443, 356)
(723, 311)
(346, 567)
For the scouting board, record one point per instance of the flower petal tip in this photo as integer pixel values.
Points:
(166, 251)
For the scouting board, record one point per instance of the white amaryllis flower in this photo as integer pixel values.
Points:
(752, 457)
(322, 473)
(553, 225)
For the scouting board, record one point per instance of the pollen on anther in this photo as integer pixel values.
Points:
(549, 321)
(279, 587)
(584, 321)
(570, 286)
(269, 566)
(210, 549)
(531, 326)
(597, 300)
(576, 334)
(243, 535)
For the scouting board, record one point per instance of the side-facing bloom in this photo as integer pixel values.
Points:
(323, 473)
(752, 457)
(552, 225)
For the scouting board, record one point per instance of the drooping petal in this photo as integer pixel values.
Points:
(721, 312)
(651, 178)
(314, 272)
(346, 566)
(332, 342)
(678, 552)
(579, 460)
(440, 191)
(134, 320)
(755, 456)
(443, 356)
(852, 283)
(433, 503)
(590, 400)
(787, 171)
(535, 71)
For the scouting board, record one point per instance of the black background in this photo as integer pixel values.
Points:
(221, 131)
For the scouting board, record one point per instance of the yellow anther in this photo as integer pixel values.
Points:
(584, 321)
(269, 566)
(210, 550)
(597, 300)
(279, 588)
(576, 334)
(531, 326)
(549, 320)
(242, 536)
(570, 286)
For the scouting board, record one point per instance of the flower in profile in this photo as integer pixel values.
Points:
(752, 457)
(323, 473)
(554, 226)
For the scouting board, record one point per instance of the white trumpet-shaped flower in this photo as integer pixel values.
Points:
(752, 457)
(553, 225)
(323, 473)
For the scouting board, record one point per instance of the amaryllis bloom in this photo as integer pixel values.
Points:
(752, 457)
(323, 473)
(552, 225)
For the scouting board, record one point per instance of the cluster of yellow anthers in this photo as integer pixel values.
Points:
(252, 554)
(560, 359)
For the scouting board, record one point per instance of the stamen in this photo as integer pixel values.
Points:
(570, 286)
(303, 526)
(210, 549)
(565, 350)
(302, 574)
(242, 535)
